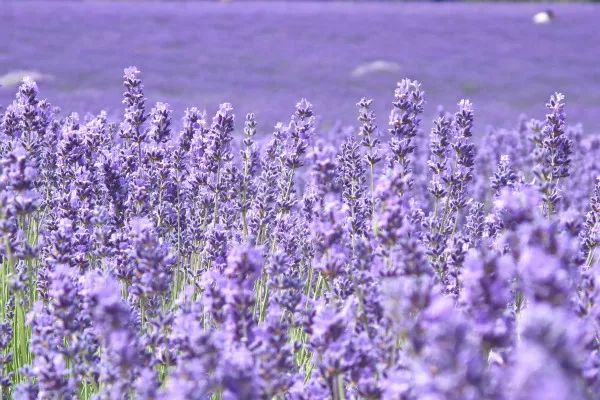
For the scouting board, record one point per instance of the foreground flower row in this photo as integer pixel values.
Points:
(148, 263)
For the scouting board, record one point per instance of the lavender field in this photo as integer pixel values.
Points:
(264, 56)
(161, 240)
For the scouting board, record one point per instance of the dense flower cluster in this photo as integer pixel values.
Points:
(145, 261)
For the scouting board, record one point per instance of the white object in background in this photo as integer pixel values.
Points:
(14, 78)
(543, 17)
(375, 66)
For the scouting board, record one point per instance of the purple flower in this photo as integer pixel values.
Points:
(548, 363)
(123, 358)
(160, 123)
(352, 175)
(554, 152)
(504, 176)
(487, 296)
(404, 124)
(152, 265)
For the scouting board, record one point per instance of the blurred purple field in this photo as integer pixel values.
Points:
(264, 57)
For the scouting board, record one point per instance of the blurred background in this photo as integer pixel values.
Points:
(263, 56)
